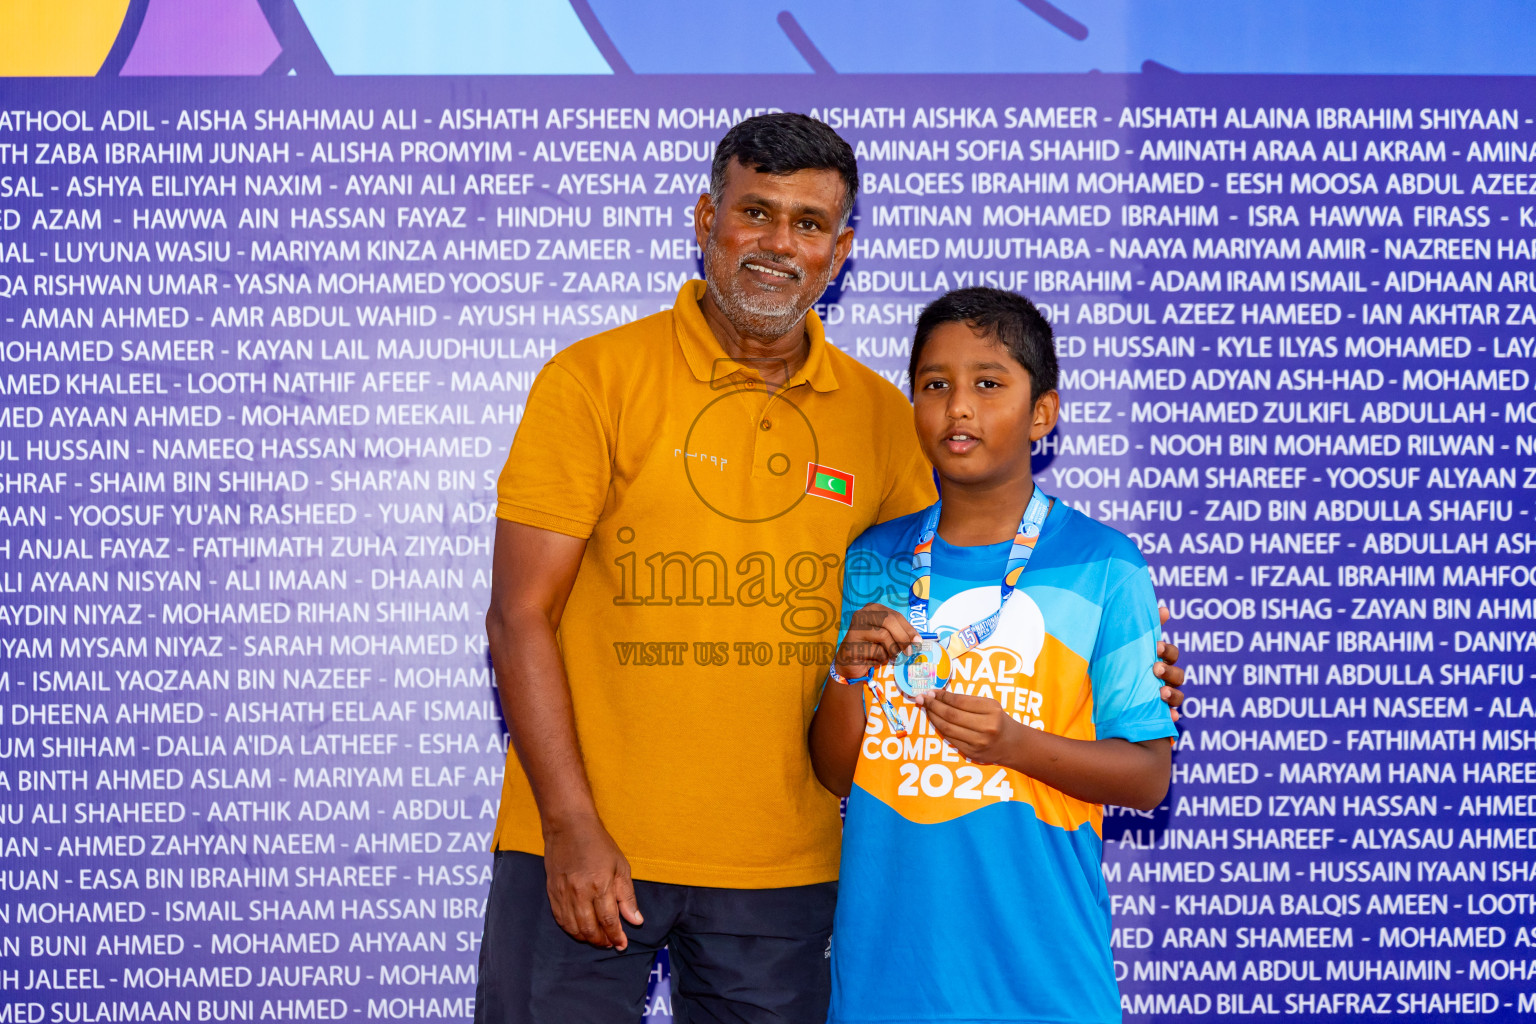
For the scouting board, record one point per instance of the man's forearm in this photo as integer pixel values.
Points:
(536, 701)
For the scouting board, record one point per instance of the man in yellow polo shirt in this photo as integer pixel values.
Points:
(668, 565)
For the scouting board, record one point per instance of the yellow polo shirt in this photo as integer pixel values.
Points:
(701, 623)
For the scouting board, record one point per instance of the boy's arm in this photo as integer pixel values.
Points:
(835, 732)
(1108, 771)
(875, 635)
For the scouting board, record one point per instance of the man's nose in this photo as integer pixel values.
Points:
(778, 237)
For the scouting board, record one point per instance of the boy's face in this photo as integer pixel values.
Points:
(975, 419)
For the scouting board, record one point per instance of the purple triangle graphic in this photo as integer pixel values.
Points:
(203, 37)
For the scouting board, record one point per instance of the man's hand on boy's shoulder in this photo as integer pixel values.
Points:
(1167, 670)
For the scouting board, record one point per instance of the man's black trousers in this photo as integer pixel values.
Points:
(742, 956)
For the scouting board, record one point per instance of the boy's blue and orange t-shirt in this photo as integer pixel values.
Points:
(971, 892)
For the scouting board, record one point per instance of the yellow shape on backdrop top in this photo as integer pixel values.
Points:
(48, 38)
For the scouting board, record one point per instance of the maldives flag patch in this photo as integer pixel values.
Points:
(825, 482)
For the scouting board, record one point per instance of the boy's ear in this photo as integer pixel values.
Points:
(1047, 408)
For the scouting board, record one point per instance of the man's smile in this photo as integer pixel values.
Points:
(761, 266)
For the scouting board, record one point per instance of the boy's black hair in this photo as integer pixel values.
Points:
(784, 143)
(1010, 318)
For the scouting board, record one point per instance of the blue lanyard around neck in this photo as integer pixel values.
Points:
(958, 642)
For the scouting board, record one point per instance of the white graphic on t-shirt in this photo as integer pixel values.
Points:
(928, 766)
(1020, 629)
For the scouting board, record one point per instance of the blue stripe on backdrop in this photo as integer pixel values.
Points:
(452, 37)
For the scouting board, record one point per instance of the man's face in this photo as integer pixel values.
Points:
(771, 246)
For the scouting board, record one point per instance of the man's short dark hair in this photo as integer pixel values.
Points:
(1012, 319)
(783, 144)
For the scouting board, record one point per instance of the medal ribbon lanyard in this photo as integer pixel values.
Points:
(957, 642)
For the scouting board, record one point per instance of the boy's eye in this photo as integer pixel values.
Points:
(935, 385)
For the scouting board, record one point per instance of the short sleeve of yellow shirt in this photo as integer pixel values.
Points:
(557, 478)
(700, 626)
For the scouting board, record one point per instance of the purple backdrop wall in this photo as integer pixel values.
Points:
(264, 344)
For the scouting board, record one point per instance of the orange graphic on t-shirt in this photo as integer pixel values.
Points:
(925, 780)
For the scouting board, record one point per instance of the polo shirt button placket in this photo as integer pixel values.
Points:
(766, 446)
(759, 442)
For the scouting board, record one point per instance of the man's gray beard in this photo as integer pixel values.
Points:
(758, 317)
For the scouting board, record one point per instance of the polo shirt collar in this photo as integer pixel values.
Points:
(710, 363)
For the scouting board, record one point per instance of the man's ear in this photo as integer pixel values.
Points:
(703, 219)
(843, 247)
(1047, 409)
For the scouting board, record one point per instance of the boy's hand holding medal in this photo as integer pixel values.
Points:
(877, 636)
(978, 727)
(881, 636)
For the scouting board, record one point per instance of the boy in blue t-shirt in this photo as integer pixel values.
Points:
(970, 887)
